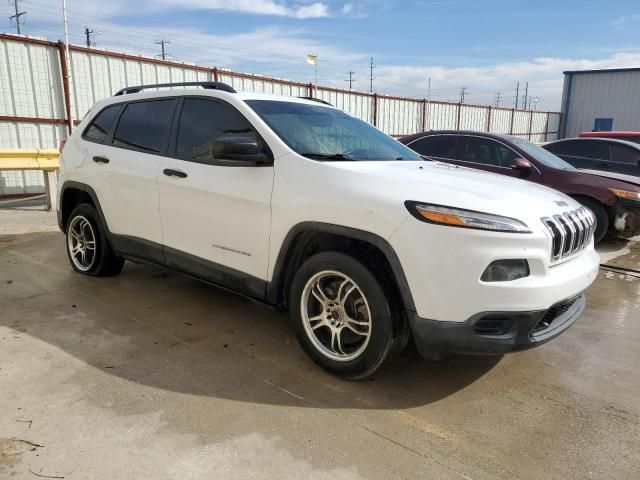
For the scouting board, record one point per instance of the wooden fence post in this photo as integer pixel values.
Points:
(513, 113)
(489, 110)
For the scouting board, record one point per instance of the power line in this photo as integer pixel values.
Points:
(496, 98)
(350, 79)
(371, 67)
(525, 96)
(90, 37)
(517, 94)
(162, 42)
(17, 15)
(463, 92)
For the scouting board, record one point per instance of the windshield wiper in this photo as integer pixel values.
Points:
(327, 156)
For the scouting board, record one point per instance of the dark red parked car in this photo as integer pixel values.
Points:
(615, 203)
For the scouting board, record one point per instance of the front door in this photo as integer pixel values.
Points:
(215, 215)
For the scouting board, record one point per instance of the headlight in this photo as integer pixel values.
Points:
(624, 194)
(457, 217)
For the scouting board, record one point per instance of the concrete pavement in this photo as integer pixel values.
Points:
(153, 375)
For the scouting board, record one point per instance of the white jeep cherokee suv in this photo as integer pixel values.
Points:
(295, 203)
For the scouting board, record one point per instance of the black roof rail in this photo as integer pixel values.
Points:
(318, 100)
(208, 85)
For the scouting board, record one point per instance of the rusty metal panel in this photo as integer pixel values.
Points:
(520, 123)
(500, 120)
(441, 116)
(473, 118)
(399, 116)
(30, 80)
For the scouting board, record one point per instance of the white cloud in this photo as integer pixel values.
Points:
(623, 22)
(354, 10)
(282, 51)
(259, 7)
(543, 74)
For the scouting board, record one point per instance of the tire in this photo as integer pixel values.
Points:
(84, 230)
(342, 318)
(602, 218)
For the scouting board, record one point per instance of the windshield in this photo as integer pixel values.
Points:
(328, 134)
(542, 155)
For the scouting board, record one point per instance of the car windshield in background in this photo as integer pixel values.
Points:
(542, 155)
(328, 134)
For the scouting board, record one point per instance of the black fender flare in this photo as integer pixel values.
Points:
(70, 184)
(287, 249)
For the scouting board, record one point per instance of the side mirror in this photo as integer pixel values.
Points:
(239, 149)
(522, 165)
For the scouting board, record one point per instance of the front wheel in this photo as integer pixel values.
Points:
(88, 250)
(341, 315)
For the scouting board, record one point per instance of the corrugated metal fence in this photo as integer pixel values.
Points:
(35, 99)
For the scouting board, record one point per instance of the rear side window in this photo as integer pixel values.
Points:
(485, 151)
(101, 124)
(443, 146)
(202, 122)
(144, 125)
(624, 154)
(579, 148)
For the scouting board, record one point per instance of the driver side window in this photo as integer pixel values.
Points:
(204, 121)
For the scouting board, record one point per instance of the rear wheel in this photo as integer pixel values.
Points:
(341, 315)
(88, 250)
(602, 218)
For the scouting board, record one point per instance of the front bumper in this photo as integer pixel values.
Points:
(495, 333)
(626, 218)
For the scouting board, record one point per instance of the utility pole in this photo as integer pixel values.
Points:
(526, 93)
(517, 94)
(497, 96)
(162, 43)
(463, 92)
(350, 79)
(90, 37)
(371, 67)
(17, 15)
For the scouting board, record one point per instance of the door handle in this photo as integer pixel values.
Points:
(174, 173)
(98, 159)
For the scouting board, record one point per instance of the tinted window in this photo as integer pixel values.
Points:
(484, 151)
(202, 122)
(540, 154)
(624, 154)
(582, 148)
(328, 134)
(442, 146)
(144, 125)
(99, 128)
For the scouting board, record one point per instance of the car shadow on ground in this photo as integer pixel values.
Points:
(170, 332)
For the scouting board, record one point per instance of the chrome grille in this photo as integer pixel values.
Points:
(571, 232)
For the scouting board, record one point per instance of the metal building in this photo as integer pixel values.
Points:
(600, 100)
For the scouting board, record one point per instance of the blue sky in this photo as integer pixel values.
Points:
(485, 46)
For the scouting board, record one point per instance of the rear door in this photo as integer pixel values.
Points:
(215, 214)
(124, 169)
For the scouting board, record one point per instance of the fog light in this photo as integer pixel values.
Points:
(505, 271)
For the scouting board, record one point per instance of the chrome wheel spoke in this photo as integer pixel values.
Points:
(319, 293)
(340, 327)
(81, 243)
(336, 341)
(350, 327)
